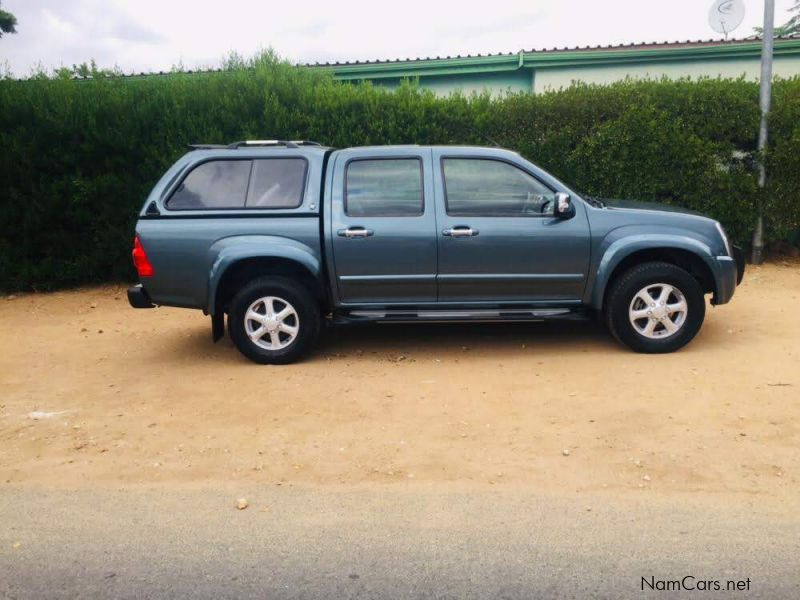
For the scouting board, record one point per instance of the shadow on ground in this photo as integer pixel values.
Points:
(560, 337)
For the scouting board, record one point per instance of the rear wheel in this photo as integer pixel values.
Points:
(273, 320)
(655, 307)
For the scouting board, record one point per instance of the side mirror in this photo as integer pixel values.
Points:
(563, 208)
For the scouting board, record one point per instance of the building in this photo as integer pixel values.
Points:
(541, 70)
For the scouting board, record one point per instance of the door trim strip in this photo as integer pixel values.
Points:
(512, 277)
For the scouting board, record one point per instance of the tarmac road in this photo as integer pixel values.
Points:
(378, 541)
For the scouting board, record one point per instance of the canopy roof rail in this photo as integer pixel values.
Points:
(286, 143)
(206, 146)
(250, 143)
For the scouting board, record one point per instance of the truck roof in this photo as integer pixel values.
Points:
(432, 146)
(280, 145)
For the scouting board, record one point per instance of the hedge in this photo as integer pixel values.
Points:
(79, 157)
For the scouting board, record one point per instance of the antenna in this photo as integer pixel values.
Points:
(483, 135)
(726, 15)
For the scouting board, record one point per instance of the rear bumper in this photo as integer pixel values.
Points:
(138, 297)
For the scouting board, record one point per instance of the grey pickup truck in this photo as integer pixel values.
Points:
(285, 236)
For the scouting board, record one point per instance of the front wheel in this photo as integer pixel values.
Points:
(655, 307)
(273, 320)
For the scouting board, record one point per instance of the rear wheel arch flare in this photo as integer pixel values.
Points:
(243, 271)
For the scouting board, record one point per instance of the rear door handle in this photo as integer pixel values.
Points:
(460, 231)
(354, 232)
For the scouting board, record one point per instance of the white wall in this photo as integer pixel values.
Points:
(555, 78)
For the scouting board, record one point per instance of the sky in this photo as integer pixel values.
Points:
(155, 35)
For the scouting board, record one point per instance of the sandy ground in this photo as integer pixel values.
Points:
(144, 397)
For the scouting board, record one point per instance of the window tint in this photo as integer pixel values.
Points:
(214, 184)
(384, 188)
(492, 188)
(277, 183)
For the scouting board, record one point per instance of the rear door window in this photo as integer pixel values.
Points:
(386, 187)
(216, 184)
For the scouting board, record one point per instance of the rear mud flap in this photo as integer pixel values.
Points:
(217, 326)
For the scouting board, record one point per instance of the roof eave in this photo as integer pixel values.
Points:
(595, 57)
(424, 67)
(552, 58)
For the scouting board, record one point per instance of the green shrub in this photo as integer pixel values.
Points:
(79, 157)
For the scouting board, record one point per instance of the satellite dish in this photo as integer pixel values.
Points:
(726, 15)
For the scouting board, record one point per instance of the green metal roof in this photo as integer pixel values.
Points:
(561, 57)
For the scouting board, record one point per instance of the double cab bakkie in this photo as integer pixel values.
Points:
(285, 236)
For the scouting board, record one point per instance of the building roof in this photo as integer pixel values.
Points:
(567, 56)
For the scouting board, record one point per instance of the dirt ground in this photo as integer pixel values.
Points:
(93, 392)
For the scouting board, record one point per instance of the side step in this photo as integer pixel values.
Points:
(456, 315)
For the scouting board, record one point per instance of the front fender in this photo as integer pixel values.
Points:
(228, 251)
(617, 250)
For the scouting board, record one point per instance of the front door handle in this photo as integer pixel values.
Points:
(354, 232)
(460, 231)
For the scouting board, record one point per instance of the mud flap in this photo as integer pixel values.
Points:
(217, 326)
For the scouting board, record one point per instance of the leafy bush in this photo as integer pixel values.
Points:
(79, 157)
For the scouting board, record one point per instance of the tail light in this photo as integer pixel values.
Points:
(140, 260)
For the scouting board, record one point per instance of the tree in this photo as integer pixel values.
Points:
(791, 27)
(85, 70)
(8, 22)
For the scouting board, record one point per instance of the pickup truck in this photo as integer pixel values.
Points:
(285, 236)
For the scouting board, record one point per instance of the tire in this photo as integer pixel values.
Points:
(653, 327)
(254, 332)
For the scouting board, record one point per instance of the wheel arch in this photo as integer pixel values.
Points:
(236, 265)
(691, 256)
